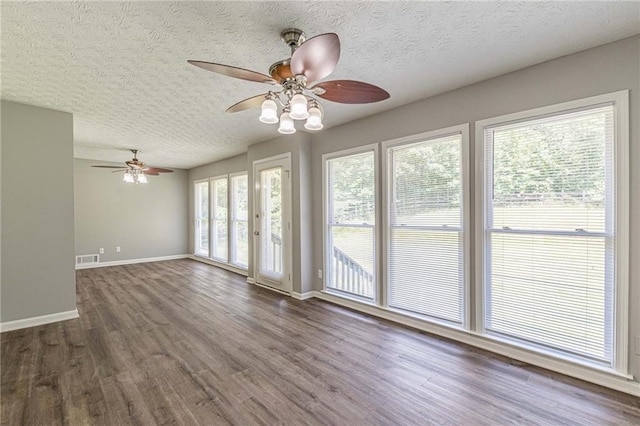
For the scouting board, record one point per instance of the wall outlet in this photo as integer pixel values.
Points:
(117, 249)
(320, 273)
(101, 250)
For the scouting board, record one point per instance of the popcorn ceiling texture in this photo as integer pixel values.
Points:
(121, 68)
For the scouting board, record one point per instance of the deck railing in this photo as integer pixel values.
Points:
(350, 276)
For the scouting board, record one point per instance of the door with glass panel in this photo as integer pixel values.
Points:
(272, 225)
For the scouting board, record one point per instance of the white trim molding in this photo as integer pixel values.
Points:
(211, 262)
(35, 321)
(603, 377)
(303, 296)
(132, 261)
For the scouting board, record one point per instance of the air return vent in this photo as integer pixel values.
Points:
(86, 259)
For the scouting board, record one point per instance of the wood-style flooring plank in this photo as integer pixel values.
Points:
(181, 342)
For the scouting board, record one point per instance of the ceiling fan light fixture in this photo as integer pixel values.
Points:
(141, 178)
(314, 122)
(128, 177)
(269, 112)
(298, 105)
(287, 126)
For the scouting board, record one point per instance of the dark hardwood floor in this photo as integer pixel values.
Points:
(181, 342)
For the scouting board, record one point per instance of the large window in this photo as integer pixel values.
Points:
(201, 192)
(426, 261)
(551, 224)
(239, 221)
(350, 227)
(219, 202)
(221, 219)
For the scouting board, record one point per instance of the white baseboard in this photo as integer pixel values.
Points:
(34, 321)
(606, 378)
(132, 261)
(231, 268)
(303, 296)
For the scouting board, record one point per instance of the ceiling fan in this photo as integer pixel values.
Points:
(299, 80)
(136, 171)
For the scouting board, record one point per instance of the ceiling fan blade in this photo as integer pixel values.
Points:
(253, 102)
(349, 92)
(156, 170)
(317, 57)
(151, 172)
(109, 167)
(235, 72)
(119, 170)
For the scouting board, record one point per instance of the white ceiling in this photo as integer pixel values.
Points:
(121, 68)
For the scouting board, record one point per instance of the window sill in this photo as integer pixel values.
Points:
(227, 266)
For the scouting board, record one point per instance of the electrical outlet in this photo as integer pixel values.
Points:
(101, 250)
(117, 249)
(320, 273)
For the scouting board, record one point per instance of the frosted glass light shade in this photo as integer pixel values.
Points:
(142, 178)
(299, 107)
(269, 112)
(286, 124)
(128, 177)
(314, 122)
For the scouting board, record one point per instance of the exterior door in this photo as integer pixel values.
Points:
(272, 226)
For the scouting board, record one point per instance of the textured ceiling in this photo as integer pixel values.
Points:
(121, 68)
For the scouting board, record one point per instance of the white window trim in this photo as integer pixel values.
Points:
(212, 220)
(620, 100)
(463, 131)
(195, 216)
(231, 213)
(376, 232)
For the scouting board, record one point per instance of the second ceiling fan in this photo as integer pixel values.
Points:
(298, 77)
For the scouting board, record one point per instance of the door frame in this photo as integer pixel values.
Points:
(287, 252)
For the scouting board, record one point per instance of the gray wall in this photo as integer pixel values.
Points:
(38, 276)
(145, 220)
(604, 69)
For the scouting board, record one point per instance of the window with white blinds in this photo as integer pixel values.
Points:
(350, 229)
(219, 223)
(201, 237)
(239, 220)
(425, 233)
(550, 232)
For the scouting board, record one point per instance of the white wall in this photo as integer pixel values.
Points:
(38, 275)
(145, 220)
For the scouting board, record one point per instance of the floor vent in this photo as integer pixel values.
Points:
(87, 259)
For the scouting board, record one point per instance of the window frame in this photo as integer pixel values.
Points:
(195, 217)
(387, 192)
(231, 219)
(213, 221)
(375, 300)
(620, 102)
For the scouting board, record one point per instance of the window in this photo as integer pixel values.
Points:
(350, 227)
(219, 219)
(201, 191)
(425, 240)
(239, 221)
(552, 223)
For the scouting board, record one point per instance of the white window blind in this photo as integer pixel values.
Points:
(219, 215)
(350, 239)
(550, 232)
(239, 221)
(201, 243)
(425, 235)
